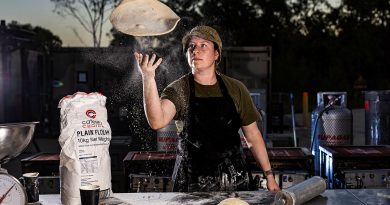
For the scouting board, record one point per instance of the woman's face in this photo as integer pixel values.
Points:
(201, 54)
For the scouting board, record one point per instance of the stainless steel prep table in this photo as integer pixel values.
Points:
(329, 197)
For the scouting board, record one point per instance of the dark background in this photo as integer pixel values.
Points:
(315, 47)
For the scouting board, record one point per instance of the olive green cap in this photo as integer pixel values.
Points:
(205, 32)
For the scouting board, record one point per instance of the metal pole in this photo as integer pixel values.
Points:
(305, 109)
(293, 118)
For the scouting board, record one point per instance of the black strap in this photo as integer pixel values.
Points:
(221, 84)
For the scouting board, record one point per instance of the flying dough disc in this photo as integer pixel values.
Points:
(233, 201)
(143, 18)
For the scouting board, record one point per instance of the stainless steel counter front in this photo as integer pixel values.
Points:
(329, 197)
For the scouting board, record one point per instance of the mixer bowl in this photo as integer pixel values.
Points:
(14, 138)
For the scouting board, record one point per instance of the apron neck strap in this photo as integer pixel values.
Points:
(221, 84)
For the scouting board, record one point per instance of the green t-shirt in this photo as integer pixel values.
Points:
(178, 92)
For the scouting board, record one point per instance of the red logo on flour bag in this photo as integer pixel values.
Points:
(91, 114)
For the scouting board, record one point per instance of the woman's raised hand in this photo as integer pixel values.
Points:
(147, 66)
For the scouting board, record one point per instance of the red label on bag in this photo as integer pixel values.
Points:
(91, 114)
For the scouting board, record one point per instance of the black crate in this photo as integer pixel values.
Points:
(148, 163)
(47, 164)
(285, 159)
(148, 183)
(119, 147)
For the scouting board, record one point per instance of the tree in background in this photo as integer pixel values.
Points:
(44, 38)
(38, 38)
(120, 39)
(91, 14)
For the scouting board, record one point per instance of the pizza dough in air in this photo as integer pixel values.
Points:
(233, 201)
(143, 18)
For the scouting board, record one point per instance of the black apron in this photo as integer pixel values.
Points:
(210, 156)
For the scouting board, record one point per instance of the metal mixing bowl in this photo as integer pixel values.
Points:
(14, 138)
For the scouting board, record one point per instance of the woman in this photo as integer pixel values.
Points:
(212, 107)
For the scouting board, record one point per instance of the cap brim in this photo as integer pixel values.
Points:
(144, 18)
(194, 33)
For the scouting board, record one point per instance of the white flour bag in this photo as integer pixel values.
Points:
(84, 140)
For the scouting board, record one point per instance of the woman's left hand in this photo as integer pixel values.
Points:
(271, 184)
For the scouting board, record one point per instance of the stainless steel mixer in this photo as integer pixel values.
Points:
(14, 138)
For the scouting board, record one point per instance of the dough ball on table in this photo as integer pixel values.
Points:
(233, 201)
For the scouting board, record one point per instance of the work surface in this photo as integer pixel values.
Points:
(329, 197)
